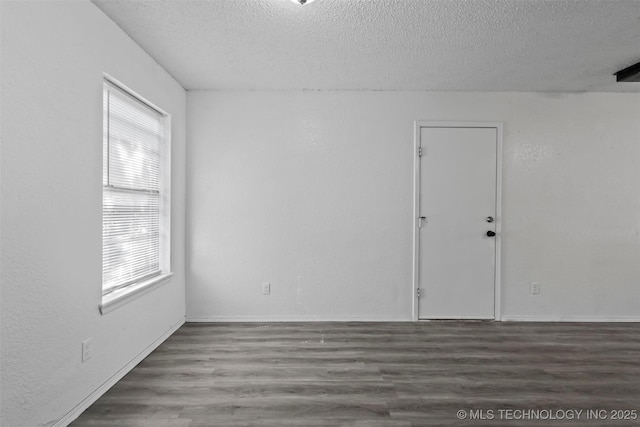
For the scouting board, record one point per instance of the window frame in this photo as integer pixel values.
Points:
(120, 295)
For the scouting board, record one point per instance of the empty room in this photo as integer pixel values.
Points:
(290, 213)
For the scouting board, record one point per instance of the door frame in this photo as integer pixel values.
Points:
(419, 124)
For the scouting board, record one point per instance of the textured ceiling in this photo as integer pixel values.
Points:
(438, 45)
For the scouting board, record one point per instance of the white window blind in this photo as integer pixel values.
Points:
(131, 196)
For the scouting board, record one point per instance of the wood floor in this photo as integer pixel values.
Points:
(382, 374)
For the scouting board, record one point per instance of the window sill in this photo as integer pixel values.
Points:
(120, 297)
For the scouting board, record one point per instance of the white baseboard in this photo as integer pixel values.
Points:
(555, 318)
(263, 319)
(95, 395)
(505, 318)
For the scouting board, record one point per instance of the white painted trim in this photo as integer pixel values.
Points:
(267, 319)
(461, 318)
(418, 124)
(416, 214)
(556, 318)
(497, 307)
(97, 393)
(120, 297)
(133, 93)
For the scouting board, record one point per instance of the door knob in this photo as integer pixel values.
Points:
(489, 219)
(490, 233)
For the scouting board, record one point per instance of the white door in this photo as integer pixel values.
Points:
(457, 198)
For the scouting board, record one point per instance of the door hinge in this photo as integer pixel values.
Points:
(419, 151)
(418, 292)
(421, 221)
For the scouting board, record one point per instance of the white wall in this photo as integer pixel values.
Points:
(53, 57)
(313, 192)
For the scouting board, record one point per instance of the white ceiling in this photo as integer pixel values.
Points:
(436, 45)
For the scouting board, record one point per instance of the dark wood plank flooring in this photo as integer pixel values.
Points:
(381, 374)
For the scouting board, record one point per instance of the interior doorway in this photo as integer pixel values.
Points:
(457, 251)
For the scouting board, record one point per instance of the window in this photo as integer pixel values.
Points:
(135, 193)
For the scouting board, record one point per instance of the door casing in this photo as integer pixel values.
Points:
(416, 206)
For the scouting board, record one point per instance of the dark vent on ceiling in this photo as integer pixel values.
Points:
(629, 74)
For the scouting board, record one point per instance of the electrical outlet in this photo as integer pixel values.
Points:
(87, 350)
(535, 288)
(266, 288)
